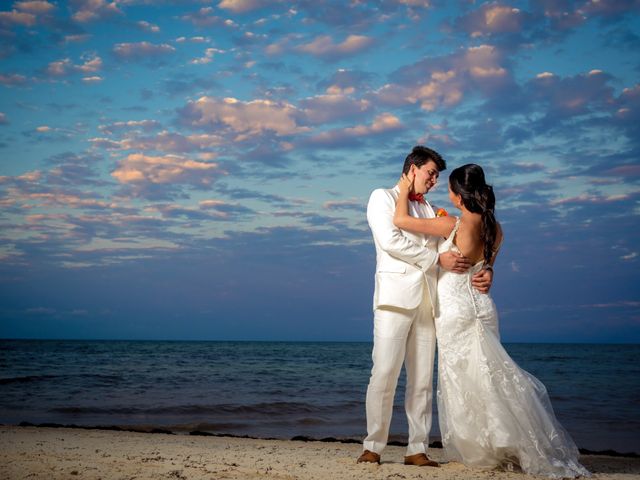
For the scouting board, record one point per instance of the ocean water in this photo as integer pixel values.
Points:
(284, 389)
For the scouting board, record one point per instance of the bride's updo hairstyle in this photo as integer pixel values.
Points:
(468, 182)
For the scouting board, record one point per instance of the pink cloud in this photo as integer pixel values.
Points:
(146, 125)
(141, 50)
(148, 27)
(12, 79)
(138, 168)
(163, 142)
(17, 18)
(64, 199)
(59, 68)
(77, 38)
(628, 104)
(562, 15)
(92, 64)
(326, 108)
(492, 18)
(442, 88)
(608, 8)
(445, 81)
(324, 47)
(205, 17)
(570, 96)
(240, 6)
(26, 13)
(243, 118)
(65, 67)
(625, 171)
(351, 204)
(281, 45)
(483, 61)
(93, 10)
(383, 123)
(415, 3)
(209, 53)
(197, 39)
(36, 7)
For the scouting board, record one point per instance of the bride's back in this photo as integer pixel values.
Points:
(468, 238)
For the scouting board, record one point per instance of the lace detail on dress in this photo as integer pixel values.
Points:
(492, 413)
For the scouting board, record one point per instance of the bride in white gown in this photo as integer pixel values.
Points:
(492, 413)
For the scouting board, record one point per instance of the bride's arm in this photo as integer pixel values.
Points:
(440, 226)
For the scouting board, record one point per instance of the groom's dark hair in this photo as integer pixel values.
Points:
(421, 155)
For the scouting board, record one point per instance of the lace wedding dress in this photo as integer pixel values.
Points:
(492, 413)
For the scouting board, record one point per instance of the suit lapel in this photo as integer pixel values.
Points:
(428, 210)
(416, 209)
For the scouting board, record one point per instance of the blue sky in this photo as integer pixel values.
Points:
(200, 170)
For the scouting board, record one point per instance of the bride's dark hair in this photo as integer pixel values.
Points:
(468, 182)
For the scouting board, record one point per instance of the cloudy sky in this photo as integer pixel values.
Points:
(200, 169)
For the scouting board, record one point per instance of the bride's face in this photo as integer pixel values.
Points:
(456, 199)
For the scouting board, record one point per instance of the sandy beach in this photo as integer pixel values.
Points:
(67, 453)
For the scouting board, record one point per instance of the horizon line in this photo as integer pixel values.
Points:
(3, 339)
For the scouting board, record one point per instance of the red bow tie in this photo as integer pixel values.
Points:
(417, 197)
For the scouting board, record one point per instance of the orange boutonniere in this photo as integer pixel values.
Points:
(442, 213)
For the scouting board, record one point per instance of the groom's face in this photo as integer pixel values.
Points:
(426, 177)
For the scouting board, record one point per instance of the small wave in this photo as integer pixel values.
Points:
(211, 427)
(98, 410)
(313, 421)
(98, 377)
(26, 379)
(258, 409)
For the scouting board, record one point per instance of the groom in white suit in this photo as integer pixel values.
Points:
(404, 305)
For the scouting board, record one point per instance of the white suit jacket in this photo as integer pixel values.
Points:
(406, 263)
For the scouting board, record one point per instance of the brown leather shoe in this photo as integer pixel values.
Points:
(369, 457)
(420, 460)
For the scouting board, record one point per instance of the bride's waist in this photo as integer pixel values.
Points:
(457, 284)
(457, 278)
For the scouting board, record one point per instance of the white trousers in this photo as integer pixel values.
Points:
(401, 335)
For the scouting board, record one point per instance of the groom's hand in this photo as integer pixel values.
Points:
(454, 262)
(482, 280)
